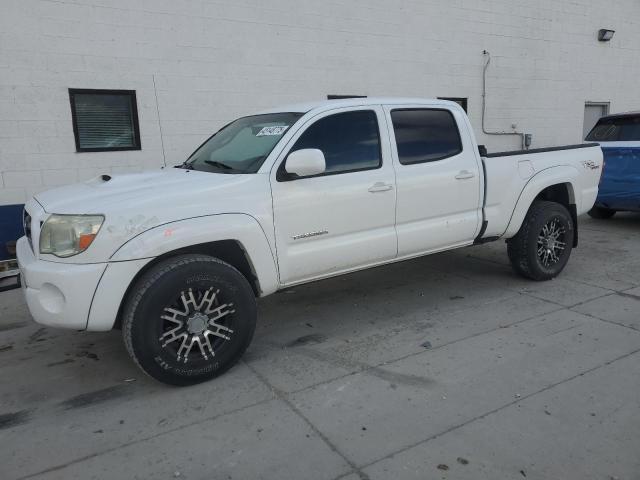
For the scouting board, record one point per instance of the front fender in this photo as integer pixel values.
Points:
(545, 178)
(193, 231)
(128, 259)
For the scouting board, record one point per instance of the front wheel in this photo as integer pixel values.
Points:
(189, 319)
(541, 248)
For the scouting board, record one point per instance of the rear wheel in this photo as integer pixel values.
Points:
(541, 248)
(601, 212)
(188, 319)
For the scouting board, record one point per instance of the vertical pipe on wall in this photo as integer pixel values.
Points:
(484, 104)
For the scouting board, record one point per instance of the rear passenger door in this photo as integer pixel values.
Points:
(438, 178)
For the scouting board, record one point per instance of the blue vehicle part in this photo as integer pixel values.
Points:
(620, 183)
(10, 228)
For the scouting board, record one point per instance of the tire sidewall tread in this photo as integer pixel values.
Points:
(143, 287)
(522, 248)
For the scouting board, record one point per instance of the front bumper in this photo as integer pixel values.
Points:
(70, 295)
(57, 294)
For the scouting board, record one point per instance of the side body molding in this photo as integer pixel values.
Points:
(545, 178)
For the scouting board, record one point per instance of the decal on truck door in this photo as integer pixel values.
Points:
(310, 234)
(590, 164)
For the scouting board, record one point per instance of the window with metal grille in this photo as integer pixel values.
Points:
(104, 120)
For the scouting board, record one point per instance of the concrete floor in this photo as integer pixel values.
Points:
(446, 367)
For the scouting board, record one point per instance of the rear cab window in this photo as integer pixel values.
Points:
(425, 135)
(623, 128)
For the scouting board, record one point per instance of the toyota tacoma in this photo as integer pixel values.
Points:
(176, 258)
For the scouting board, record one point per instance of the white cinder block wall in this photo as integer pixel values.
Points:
(197, 64)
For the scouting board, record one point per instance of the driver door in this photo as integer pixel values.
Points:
(344, 218)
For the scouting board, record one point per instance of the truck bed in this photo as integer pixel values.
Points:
(511, 176)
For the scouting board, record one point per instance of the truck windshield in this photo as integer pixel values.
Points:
(243, 145)
(616, 129)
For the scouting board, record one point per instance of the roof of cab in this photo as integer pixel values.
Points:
(357, 102)
(635, 113)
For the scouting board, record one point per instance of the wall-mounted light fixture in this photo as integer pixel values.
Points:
(604, 35)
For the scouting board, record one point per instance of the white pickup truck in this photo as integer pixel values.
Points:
(177, 257)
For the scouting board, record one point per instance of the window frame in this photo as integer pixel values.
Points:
(283, 176)
(134, 116)
(344, 97)
(462, 101)
(443, 157)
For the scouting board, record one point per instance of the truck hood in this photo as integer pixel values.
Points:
(134, 203)
(164, 190)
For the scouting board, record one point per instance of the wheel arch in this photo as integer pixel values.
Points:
(237, 239)
(229, 251)
(556, 184)
(564, 194)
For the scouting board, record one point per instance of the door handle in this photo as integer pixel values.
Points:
(464, 174)
(380, 187)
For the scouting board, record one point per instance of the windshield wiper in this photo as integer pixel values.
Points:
(185, 165)
(213, 163)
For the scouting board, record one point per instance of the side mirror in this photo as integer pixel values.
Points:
(305, 162)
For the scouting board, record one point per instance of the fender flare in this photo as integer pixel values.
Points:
(238, 227)
(562, 174)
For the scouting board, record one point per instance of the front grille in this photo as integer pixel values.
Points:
(26, 223)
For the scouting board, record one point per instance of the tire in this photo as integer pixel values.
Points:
(532, 252)
(167, 319)
(601, 213)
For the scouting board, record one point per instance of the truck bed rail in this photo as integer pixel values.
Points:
(540, 150)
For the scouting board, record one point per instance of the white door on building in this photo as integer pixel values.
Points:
(592, 113)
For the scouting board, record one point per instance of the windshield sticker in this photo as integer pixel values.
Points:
(277, 130)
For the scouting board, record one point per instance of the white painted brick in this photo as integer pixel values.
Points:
(126, 169)
(59, 177)
(54, 144)
(8, 128)
(17, 144)
(37, 128)
(22, 179)
(89, 173)
(12, 196)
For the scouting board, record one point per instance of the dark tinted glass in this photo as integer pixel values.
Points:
(616, 129)
(425, 135)
(349, 141)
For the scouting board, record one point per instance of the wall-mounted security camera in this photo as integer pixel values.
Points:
(604, 35)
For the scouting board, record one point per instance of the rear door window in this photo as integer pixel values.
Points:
(616, 129)
(425, 135)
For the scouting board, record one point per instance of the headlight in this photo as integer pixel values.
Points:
(67, 235)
